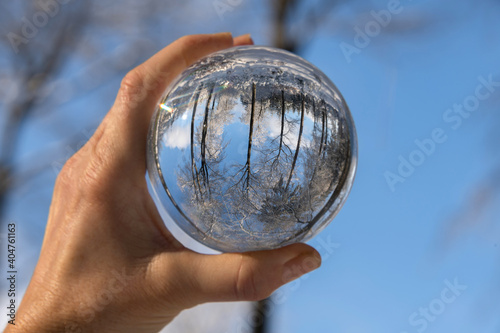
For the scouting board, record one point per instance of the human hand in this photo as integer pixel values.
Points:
(107, 263)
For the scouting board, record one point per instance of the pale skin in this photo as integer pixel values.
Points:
(107, 263)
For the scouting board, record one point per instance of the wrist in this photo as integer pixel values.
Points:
(39, 312)
(46, 313)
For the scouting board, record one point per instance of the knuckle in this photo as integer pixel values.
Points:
(132, 86)
(139, 82)
(185, 44)
(89, 171)
(245, 288)
(166, 284)
(66, 177)
(132, 79)
(187, 41)
(96, 171)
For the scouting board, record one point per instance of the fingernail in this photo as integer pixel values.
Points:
(244, 39)
(249, 37)
(300, 265)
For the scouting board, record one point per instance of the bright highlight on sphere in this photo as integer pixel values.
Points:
(251, 148)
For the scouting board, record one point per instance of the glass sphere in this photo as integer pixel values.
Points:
(251, 148)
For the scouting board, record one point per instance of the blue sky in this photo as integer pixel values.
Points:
(387, 253)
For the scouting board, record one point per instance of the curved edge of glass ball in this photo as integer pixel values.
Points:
(309, 76)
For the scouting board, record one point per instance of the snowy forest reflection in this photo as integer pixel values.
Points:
(267, 162)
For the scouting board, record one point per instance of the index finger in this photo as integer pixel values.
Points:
(126, 124)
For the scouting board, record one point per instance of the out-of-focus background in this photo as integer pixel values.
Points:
(415, 248)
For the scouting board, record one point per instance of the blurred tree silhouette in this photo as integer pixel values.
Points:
(295, 22)
(34, 66)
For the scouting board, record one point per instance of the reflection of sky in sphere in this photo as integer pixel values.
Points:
(255, 149)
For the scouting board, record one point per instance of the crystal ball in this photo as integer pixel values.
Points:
(251, 148)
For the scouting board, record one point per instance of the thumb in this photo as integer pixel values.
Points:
(248, 276)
